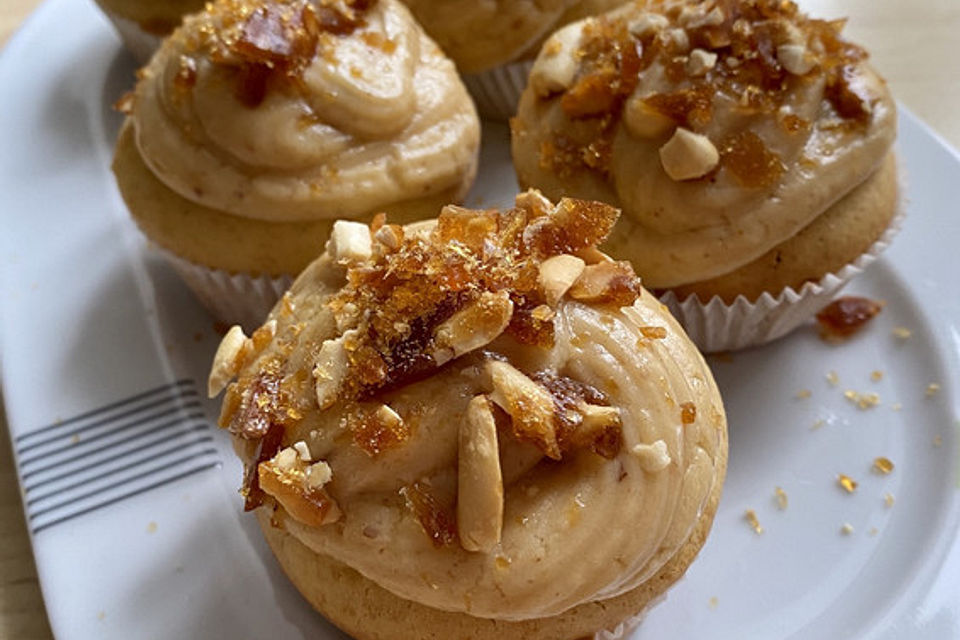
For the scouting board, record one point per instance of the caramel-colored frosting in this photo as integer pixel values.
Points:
(293, 110)
(721, 127)
(481, 35)
(481, 414)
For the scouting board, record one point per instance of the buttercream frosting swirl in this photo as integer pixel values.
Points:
(721, 128)
(296, 110)
(503, 422)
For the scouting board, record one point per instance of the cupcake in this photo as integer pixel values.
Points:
(476, 427)
(260, 122)
(748, 145)
(142, 24)
(494, 43)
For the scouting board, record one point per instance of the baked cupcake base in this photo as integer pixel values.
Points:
(726, 321)
(367, 611)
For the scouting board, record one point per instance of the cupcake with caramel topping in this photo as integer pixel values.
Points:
(494, 42)
(748, 145)
(259, 122)
(478, 427)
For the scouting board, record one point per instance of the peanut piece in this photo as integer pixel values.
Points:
(688, 155)
(226, 362)
(557, 275)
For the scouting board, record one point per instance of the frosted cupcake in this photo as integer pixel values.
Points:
(478, 427)
(260, 122)
(494, 43)
(748, 145)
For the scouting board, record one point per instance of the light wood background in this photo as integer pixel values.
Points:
(912, 43)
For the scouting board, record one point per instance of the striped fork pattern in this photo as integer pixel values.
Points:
(102, 457)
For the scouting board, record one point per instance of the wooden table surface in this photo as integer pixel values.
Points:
(912, 44)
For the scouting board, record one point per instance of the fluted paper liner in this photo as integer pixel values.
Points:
(717, 326)
(137, 41)
(625, 628)
(496, 92)
(232, 298)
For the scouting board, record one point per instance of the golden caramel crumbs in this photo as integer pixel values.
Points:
(186, 76)
(265, 43)
(932, 389)
(653, 333)
(819, 423)
(781, 497)
(751, 517)
(437, 519)
(846, 529)
(846, 316)
(862, 400)
(688, 413)
(882, 465)
(901, 333)
(833, 379)
(414, 283)
(803, 394)
(888, 500)
(937, 441)
(846, 483)
(876, 376)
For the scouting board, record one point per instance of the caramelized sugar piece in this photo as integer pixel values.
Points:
(749, 160)
(437, 520)
(265, 448)
(846, 316)
(376, 428)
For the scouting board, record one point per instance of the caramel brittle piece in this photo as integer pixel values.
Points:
(436, 518)
(285, 477)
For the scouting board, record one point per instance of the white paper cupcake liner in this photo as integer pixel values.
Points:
(137, 41)
(717, 326)
(496, 92)
(239, 298)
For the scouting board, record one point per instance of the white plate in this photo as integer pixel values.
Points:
(152, 541)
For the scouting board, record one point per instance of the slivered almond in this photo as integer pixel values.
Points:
(480, 484)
